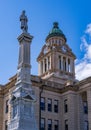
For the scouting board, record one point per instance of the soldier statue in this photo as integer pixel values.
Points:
(24, 20)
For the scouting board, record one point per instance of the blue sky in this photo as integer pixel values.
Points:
(74, 18)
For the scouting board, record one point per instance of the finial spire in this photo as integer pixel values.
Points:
(24, 20)
(55, 25)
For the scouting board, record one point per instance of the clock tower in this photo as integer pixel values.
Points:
(56, 59)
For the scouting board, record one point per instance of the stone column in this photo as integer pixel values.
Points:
(39, 68)
(43, 66)
(72, 65)
(24, 65)
(47, 63)
(50, 63)
(67, 64)
(61, 62)
(89, 106)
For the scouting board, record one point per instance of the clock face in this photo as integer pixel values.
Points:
(64, 49)
(45, 50)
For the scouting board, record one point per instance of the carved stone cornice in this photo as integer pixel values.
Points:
(48, 85)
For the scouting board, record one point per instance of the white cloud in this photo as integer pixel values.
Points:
(83, 66)
(83, 70)
(88, 29)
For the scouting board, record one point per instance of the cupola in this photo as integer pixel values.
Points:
(55, 32)
(56, 59)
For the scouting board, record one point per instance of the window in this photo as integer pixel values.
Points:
(64, 63)
(41, 67)
(66, 124)
(60, 62)
(86, 125)
(48, 62)
(52, 41)
(85, 105)
(42, 124)
(49, 124)
(65, 106)
(56, 125)
(49, 105)
(6, 125)
(7, 106)
(45, 65)
(56, 41)
(42, 104)
(69, 66)
(56, 106)
(60, 41)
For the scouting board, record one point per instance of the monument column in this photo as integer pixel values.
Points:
(23, 99)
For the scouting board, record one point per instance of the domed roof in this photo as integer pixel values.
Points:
(55, 32)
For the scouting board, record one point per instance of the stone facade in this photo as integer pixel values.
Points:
(76, 115)
(63, 103)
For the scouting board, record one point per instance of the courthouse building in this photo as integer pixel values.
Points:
(62, 102)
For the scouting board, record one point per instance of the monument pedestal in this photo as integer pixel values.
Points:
(22, 115)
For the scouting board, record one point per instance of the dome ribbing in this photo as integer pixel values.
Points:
(56, 31)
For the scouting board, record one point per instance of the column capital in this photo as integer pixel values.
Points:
(26, 37)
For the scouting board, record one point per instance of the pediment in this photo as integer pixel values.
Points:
(42, 52)
(65, 49)
(28, 97)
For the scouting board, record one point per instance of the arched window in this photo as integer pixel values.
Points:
(48, 62)
(69, 66)
(45, 65)
(64, 63)
(41, 67)
(55, 40)
(60, 63)
(52, 40)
